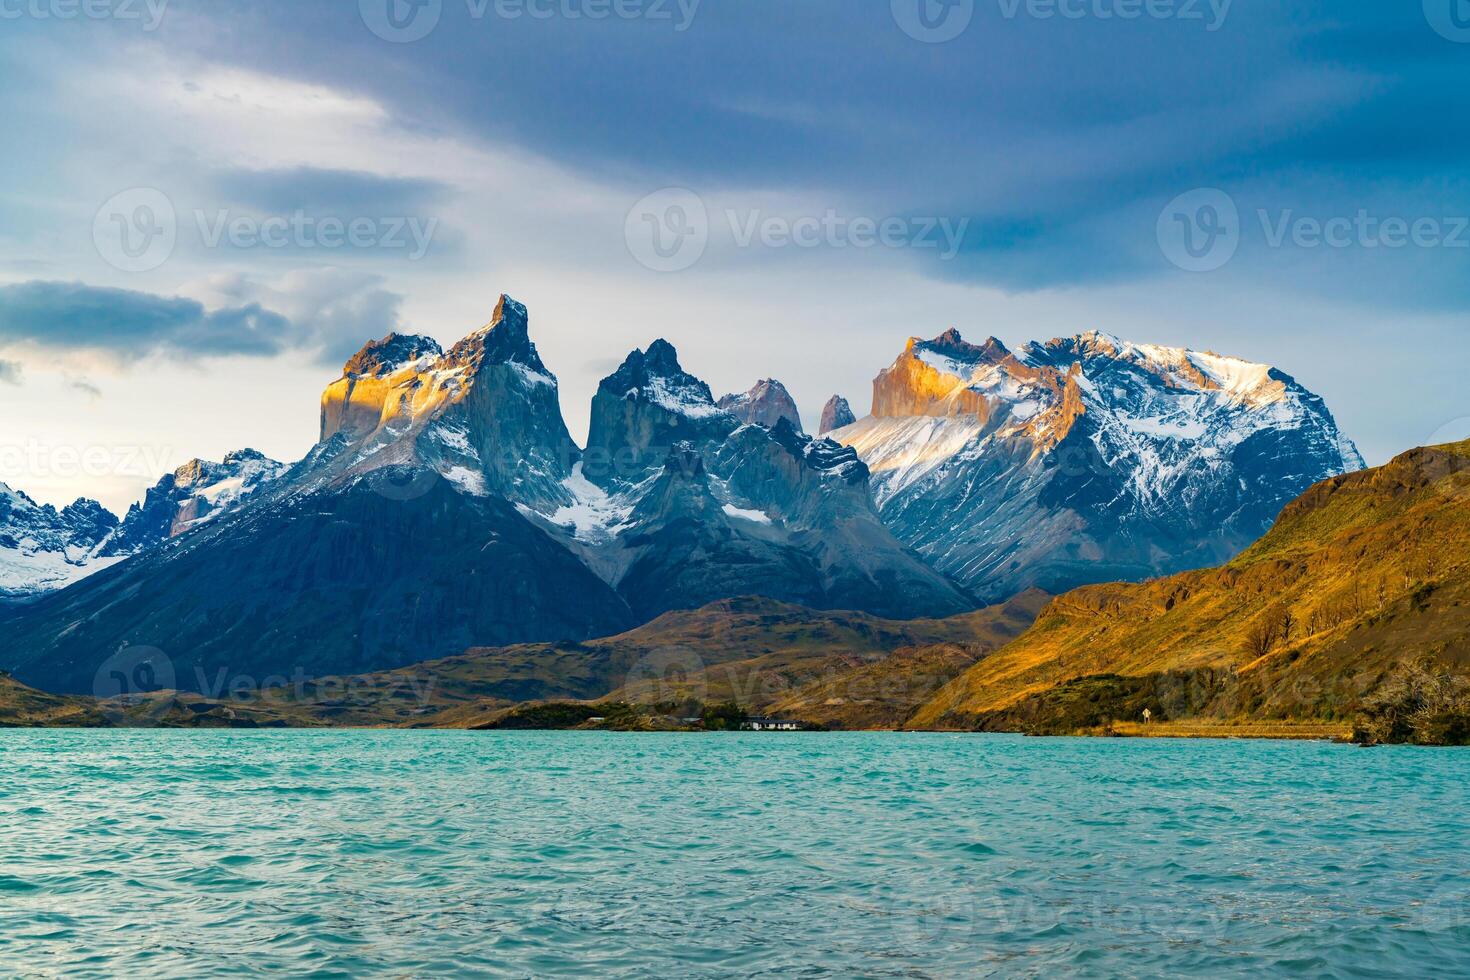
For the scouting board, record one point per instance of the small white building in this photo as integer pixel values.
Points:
(771, 725)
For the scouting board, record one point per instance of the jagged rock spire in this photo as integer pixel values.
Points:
(836, 414)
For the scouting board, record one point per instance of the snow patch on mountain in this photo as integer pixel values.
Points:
(688, 400)
(531, 376)
(454, 437)
(755, 516)
(595, 515)
(29, 569)
(470, 481)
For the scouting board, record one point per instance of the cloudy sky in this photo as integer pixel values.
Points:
(209, 205)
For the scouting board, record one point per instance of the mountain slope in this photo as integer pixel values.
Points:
(1362, 577)
(680, 503)
(329, 582)
(43, 549)
(1086, 458)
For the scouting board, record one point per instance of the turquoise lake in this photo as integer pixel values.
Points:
(439, 854)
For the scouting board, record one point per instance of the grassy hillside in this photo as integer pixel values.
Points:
(798, 664)
(879, 695)
(751, 650)
(1363, 581)
(25, 707)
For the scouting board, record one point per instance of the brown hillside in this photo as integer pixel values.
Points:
(795, 667)
(26, 707)
(749, 649)
(1360, 576)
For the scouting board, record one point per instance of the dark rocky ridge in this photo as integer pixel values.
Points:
(716, 507)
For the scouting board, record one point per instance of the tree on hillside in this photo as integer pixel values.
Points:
(1419, 703)
(1272, 627)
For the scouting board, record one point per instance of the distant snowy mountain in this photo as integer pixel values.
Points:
(1086, 459)
(42, 549)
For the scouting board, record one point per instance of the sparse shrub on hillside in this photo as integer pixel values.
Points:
(726, 717)
(554, 715)
(1418, 704)
(1273, 627)
(1095, 702)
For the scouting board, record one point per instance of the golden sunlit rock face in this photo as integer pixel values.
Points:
(950, 379)
(484, 414)
(912, 387)
(360, 406)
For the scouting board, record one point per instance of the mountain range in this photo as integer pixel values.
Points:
(1086, 459)
(445, 505)
(42, 549)
(1351, 616)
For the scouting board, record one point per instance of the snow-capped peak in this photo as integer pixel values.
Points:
(1242, 382)
(655, 376)
(1167, 444)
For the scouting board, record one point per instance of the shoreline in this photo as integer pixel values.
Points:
(1158, 731)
